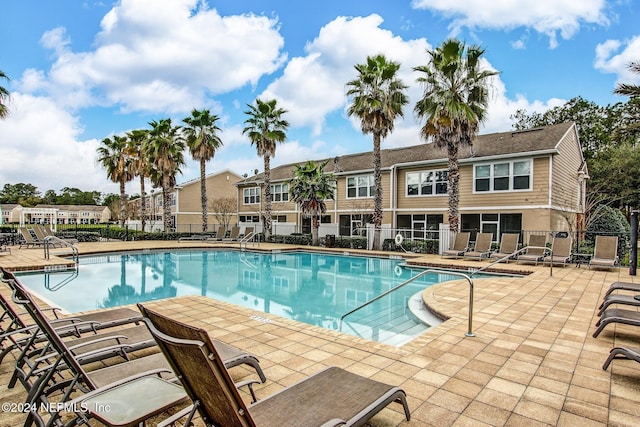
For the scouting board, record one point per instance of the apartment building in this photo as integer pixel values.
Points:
(533, 179)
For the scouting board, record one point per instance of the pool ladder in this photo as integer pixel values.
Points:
(469, 332)
(51, 241)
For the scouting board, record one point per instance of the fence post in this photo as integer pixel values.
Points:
(633, 257)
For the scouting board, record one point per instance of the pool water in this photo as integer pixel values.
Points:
(313, 288)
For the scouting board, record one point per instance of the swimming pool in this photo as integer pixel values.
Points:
(309, 287)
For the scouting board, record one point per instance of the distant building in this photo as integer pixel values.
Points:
(10, 213)
(65, 214)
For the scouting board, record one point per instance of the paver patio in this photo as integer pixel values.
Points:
(532, 360)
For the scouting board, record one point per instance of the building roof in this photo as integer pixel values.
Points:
(503, 144)
(98, 208)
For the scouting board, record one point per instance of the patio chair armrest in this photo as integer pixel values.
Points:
(249, 384)
(189, 412)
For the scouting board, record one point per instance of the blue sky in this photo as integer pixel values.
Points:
(85, 70)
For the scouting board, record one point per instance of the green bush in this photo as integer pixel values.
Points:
(429, 246)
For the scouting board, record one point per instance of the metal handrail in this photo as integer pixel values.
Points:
(48, 242)
(469, 332)
(246, 239)
(511, 255)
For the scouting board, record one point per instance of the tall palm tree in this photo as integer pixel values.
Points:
(112, 155)
(266, 128)
(165, 152)
(310, 187)
(378, 99)
(137, 139)
(203, 141)
(4, 97)
(454, 104)
(627, 88)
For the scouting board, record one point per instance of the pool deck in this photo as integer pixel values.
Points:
(533, 360)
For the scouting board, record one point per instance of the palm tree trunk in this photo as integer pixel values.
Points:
(166, 209)
(267, 198)
(315, 225)
(123, 204)
(453, 183)
(377, 201)
(203, 194)
(143, 207)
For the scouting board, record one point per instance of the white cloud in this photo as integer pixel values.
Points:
(41, 147)
(161, 59)
(614, 56)
(313, 86)
(549, 17)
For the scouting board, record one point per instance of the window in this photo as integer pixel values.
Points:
(251, 196)
(492, 223)
(427, 183)
(360, 186)
(504, 176)
(280, 192)
(249, 218)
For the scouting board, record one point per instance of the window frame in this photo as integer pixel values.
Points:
(356, 178)
(282, 195)
(256, 195)
(435, 182)
(493, 176)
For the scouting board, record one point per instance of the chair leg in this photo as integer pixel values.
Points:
(612, 355)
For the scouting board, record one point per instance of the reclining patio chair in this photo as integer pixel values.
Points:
(330, 397)
(233, 235)
(482, 248)
(125, 400)
(29, 240)
(631, 353)
(560, 251)
(622, 286)
(605, 253)
(508, 245)
(617, 315)
(536, 249)
(460, 246)
(620, 299)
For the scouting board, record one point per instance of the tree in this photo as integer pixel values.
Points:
(629, 89)
(113, 157)
(310, 187)
(266, 128)
(137, 139)
(203, 141)
(453, 105)
(378, 97)
(223, 209)
(12, 193)
(4, 97)
(165, 153)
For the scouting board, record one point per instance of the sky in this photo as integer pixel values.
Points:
(84, 70)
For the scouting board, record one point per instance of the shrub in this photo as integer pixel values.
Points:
(609, 221)
(429, 246)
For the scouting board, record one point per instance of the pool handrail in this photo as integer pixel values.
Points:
(469, 332)
(247, 238)
(51, 241)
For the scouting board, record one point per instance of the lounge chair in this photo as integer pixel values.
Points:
(233, 235)
(460, 246)
(605, 254)
(127, 399)
(220, 234)
(482, 248)
(246, 234)
(560, 251)
(332, 396)
(29, 240)
(631, 353)
(508, 245)
(622, 286)
(536, 249)
(617, 315)
(621, 299)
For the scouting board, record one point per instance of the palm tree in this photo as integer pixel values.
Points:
(310, 187)
(113, 157)
(137, 139)
(454, 105)
(627, 88)
(203, 141)
(266, 128)
(378, 99)
(4, 96)
(165, 152)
